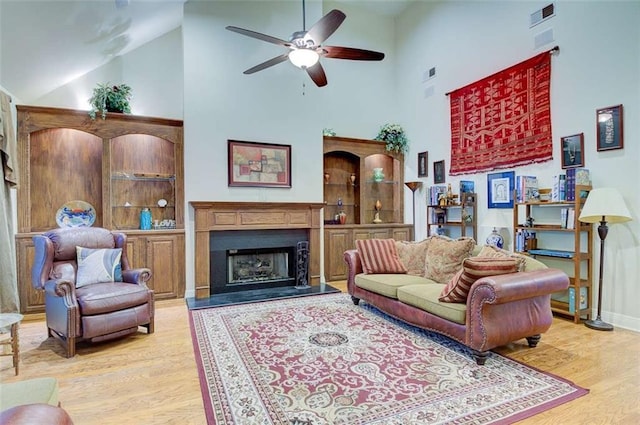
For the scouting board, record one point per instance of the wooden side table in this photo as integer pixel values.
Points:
(13, 320)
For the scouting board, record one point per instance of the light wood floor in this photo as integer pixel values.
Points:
(152, 379)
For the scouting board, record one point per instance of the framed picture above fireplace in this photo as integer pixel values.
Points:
(253, 164)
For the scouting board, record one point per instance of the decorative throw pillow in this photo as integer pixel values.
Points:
(412, 255)
(445, 256)
(495, 252)
(379, 256)
(474, 268)
(98, 265)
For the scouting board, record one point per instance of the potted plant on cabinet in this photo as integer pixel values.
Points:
(394, 136)
(110, 98)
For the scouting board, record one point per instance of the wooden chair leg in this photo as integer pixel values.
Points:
(71, 347)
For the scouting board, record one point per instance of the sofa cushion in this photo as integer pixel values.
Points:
(35, 390)
(425, 297)
(444, 257)
(412, 255)
(387, 284)
(474, 268)
(98, 265)
(495, 252)
(110, 296)
(379, 256)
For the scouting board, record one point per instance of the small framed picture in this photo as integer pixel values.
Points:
(438, 172)
(423, 170)
(609, 128)
(572, 151)
(259, 164)
(500, 188)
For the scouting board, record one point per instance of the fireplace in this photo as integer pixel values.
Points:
(242, 260)
(213, 219)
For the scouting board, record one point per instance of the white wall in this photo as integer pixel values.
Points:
(279, 104)
(154, 71)
(598, 66)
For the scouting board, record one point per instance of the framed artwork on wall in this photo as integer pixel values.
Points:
(572, 151)
(254, 164)
(423, 170)
(609, 128)
(500, 188)
(438, 172)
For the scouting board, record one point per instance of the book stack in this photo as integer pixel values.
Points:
(558, 190)
(567, 218)
(527, 189)
(576, 177)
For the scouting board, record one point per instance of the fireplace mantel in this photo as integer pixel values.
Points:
(213, 216)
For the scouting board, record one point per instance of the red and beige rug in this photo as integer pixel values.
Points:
(321, 360)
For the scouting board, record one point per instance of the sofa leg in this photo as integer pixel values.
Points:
(355, 300)
(533, 340)
(481, 357)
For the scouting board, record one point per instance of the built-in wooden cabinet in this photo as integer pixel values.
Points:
(119, 166)
(352, 191)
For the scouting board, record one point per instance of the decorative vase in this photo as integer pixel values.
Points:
(342, 216)
(145, 219)
(495, 239)
(378, 175)
(327, 176)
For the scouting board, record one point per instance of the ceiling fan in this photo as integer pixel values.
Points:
(305, 47)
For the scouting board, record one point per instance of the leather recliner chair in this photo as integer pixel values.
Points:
(94, 312)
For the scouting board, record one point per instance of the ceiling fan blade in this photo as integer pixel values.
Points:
(259, 36)
(316, 72)
(267, 64)
(326, 26)
(337, 52)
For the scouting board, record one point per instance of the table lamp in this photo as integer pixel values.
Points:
(603, 205)
(414, 186)
(494, 218)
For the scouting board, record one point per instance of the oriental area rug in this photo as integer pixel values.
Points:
(320, 360)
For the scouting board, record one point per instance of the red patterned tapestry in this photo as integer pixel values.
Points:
(503, 120)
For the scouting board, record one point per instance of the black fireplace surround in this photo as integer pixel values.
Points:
(244, 260)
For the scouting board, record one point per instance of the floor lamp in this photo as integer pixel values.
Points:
(413, 186)
(603, 205)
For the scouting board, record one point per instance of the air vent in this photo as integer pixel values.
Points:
(542, 15)
(429, 74)
(545, 37)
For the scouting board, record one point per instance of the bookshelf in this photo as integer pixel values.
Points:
(454, 220)
(559, 239)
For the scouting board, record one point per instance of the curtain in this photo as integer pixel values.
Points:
(8, 149)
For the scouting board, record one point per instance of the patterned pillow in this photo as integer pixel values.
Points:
(473, 269)
(412, 255)
(379, 256)
(495, 252)
(445, 256)
(98, 265)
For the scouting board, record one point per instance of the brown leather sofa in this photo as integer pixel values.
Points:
(499, 309)
(97, 311)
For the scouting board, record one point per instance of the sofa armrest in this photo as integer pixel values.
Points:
(517, 286)
(504, 308)
(139, 276)
(354, 265)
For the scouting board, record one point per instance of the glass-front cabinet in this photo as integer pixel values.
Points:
(363, 195)
(102, 173)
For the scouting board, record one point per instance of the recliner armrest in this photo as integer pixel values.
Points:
(138, 276)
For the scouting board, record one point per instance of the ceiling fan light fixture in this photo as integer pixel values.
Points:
(303, 58)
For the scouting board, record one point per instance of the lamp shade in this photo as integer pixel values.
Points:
(604, 202)
(413, 186)
(303, 58)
